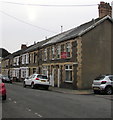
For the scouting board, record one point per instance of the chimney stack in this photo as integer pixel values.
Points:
(104, 9)
(23, 46)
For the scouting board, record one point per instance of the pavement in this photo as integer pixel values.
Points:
(64, 90)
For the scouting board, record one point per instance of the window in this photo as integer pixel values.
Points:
(14, 62)
(17, 61)
(27, 58)
(35, 57)
(24, 72)
(68, 73)
(53, 52)
(30, 58)
(68, 49)
(23, 59)
(45, 55)
(58, 51)
(45, 70)
(17, 73)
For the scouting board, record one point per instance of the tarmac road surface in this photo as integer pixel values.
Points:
(33, 103)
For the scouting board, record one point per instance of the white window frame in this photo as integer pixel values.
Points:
(69, 68)
(24, 72)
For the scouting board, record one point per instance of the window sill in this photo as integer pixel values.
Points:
(68, 81)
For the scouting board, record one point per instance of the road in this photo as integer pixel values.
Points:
(33, 103)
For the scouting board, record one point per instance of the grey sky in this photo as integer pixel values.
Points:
(16, 19)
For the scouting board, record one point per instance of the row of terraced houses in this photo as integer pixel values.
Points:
(71, 59)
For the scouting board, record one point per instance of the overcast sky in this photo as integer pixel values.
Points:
(26, 21)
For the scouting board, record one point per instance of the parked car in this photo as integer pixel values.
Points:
(103, 83)
(6, 79)
(2, 90)
(37, 80)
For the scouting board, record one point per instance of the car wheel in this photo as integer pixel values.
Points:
(24, 85)
(32, 85)
(108, 90)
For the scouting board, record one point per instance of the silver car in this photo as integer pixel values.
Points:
(103, 83)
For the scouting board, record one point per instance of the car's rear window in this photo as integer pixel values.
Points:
(100, 77)
(42, 76)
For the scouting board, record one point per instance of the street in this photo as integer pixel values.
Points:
(33, 103)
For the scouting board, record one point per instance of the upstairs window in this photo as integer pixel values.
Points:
(58, 52)
(17, 61)
(53, 52)
(30, 58)
(25, 59)
(35, 57)
(68, 49)
(45, 55)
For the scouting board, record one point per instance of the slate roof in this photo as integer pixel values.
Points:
(35, 46)
(70, 34)
(77, 31)
(3, 52)
(17, 53)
